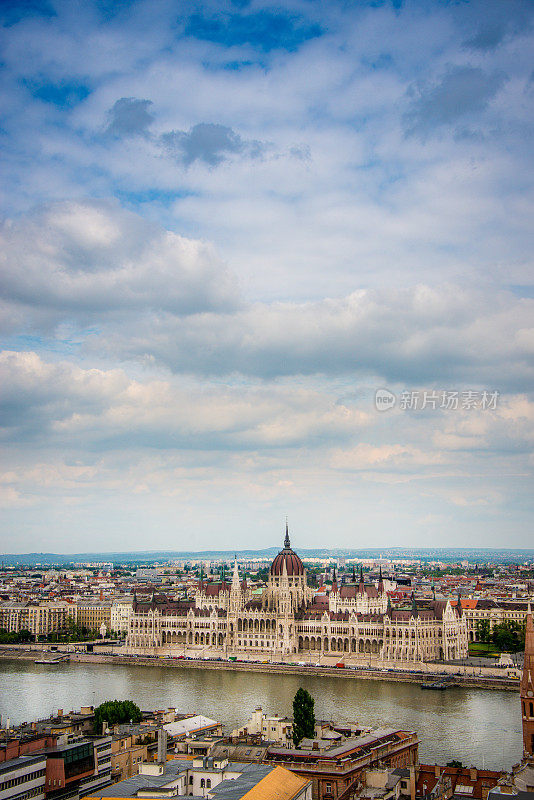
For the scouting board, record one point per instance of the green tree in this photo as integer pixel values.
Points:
(509, 636)
(116, 711)
(303, 716)
(483, 631)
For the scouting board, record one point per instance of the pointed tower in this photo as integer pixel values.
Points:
(235, 590)
(287, 543)
(353, 574)
(415, 612)
(285, 610)
(526, 689)
(361, 587)
(334, 582)
(235, 577)
(459, 610)
(380, 583)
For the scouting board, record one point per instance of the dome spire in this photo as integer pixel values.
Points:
(287, 543)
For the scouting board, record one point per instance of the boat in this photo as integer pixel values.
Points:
(59, 660)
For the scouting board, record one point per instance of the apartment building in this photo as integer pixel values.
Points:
(23, 778)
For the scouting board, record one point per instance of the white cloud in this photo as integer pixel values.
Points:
(82, 261)
(167, 386)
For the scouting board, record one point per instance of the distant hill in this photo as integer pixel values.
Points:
(448, 555)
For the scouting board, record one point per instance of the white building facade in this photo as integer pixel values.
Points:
(355, 621)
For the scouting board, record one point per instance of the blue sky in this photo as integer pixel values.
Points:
(224, 227)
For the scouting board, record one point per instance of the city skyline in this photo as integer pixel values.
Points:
(225, 228)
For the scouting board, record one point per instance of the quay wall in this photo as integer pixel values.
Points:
(362, 673)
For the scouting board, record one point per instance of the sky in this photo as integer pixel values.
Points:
(224, 227)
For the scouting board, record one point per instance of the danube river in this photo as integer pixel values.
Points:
(475, 726)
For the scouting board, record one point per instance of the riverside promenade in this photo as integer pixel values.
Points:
(453, 674)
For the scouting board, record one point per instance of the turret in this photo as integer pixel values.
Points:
(526, 689)
(235, 590)
(334, 582)
(236, 586)
(415, 612)
(389, 610)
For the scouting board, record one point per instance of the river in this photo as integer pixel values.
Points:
(474, 726)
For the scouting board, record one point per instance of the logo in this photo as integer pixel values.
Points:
(384, 399)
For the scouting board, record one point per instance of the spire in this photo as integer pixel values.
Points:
(415, 612)
(459, 605)
(380, 582)
(361, 588)
(287, 543)
(236, 586)
(353, 574)
(285, 580)
(334, 582)
(527, 686)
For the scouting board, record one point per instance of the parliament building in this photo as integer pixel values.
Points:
(354, 621)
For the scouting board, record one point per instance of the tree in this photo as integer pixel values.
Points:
(509, 636)
(116, 711)
(303, 716)
(483, 630)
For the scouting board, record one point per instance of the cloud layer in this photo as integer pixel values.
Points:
(223, 228)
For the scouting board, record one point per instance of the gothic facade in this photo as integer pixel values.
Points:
(353, 621)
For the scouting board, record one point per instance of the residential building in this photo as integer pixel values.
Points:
(23, 778)
(337, 767)
(210, 778)
(38, 618)
(126, 756)
(92, 615)
(273, 728)
(120, 615)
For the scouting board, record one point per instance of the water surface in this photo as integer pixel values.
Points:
(477, 727)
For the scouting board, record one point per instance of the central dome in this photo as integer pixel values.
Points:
(287, 556)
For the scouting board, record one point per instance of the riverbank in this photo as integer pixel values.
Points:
(347, 673)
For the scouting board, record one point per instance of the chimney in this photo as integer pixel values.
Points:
(436, 770)
(162, 746)
(473, 774)
(412, 782)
